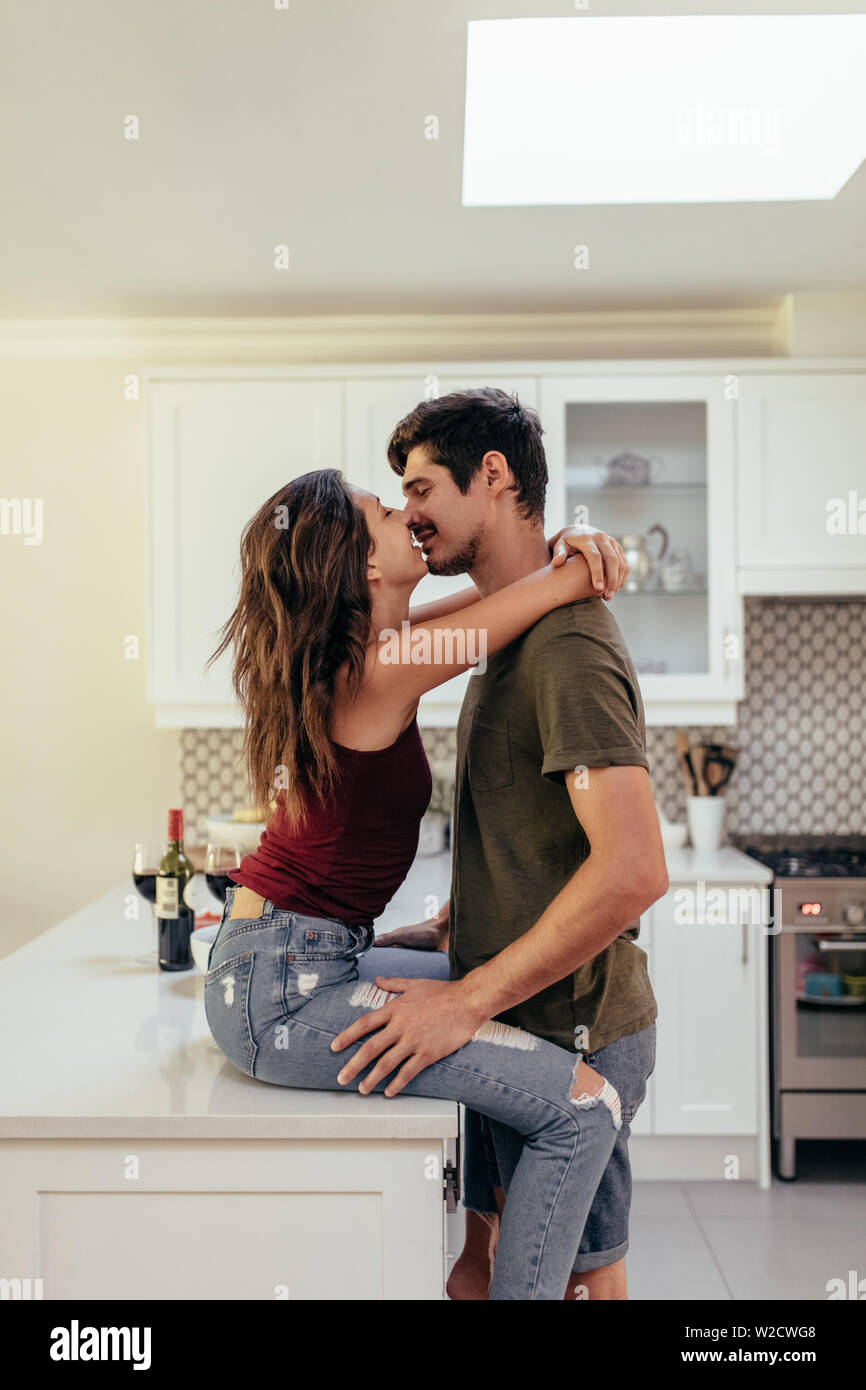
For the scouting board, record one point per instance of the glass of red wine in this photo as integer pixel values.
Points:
(218, 863)
(145, 862)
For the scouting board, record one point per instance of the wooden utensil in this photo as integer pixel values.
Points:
(686, 763)
(722, 750)
(697, 756)
(717, 774)
(719, 763)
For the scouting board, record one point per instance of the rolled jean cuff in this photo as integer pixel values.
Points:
(598, 1259)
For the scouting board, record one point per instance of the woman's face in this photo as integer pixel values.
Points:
(394, 555)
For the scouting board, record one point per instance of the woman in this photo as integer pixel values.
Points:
(327, 573)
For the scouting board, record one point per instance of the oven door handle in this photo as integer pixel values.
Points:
(842, 945)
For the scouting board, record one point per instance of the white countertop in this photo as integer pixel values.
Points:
(727, 865)
(100, 1046)
(97, 1046)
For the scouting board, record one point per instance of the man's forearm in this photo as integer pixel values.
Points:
(584, 917)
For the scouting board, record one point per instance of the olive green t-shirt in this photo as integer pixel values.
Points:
(562, 697)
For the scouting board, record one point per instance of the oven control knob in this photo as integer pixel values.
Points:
(854, 914)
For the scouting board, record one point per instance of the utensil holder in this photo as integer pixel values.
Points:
(706, 817)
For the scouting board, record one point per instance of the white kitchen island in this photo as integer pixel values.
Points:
(137, 1162)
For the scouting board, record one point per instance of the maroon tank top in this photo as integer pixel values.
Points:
(354, 853)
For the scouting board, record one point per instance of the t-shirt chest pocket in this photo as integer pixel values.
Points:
(490, 767)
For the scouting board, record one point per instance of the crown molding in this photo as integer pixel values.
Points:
(750, 332)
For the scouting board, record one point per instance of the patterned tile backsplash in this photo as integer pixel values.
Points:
(801, 731)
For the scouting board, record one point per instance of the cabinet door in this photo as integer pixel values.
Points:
(801, 482)
(219, 450)
(373, 408)
(651, 460)
(704, 976)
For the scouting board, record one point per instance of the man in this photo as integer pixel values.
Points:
(557, 848)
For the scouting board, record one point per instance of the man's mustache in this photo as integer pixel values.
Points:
(422, 533)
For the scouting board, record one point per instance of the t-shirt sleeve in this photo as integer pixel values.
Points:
(588, 706)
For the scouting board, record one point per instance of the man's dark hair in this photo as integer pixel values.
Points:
(458, 431)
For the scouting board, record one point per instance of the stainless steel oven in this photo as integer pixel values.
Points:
(818, 991)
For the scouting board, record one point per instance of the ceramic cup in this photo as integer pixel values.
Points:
(705, 816)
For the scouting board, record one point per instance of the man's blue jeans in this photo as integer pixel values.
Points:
(492, 1151)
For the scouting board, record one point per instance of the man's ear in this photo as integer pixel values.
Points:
(495, 472)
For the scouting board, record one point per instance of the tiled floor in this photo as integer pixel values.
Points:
(692, 1241)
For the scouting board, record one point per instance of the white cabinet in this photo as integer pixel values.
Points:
(220, 449)
(650, 458)
(373, 408)
(736, 486)
(801, 457)
(705, 978)
(319, 1219)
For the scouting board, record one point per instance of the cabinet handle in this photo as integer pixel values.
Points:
(745, 942)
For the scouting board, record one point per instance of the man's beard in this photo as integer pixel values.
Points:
(460, 561)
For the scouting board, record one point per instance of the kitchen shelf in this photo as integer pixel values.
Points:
(834, 1000)
(661, 593)
(626, 488)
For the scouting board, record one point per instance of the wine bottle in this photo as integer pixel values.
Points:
(174, 917)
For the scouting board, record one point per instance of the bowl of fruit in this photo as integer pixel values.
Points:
(241, 829)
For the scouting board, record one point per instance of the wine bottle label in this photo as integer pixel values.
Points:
(167, 897)
(189, 893)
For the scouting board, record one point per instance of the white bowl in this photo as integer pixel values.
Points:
(222, 830)
(200, 943)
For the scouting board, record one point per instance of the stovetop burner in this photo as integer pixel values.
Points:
(808, 856)
(795, 866)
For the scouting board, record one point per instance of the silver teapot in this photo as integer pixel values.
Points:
(639, 558)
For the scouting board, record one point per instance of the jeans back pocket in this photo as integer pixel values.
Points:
(227, 1009)
(319, 953)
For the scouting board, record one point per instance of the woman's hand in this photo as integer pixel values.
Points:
(604, 555)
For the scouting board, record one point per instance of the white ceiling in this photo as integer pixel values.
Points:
(305, 126)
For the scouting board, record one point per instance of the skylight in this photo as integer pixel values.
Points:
(663, 109)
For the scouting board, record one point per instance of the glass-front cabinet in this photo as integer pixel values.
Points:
(651, 460)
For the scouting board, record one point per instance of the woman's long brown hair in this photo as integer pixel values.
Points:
(304, 610)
